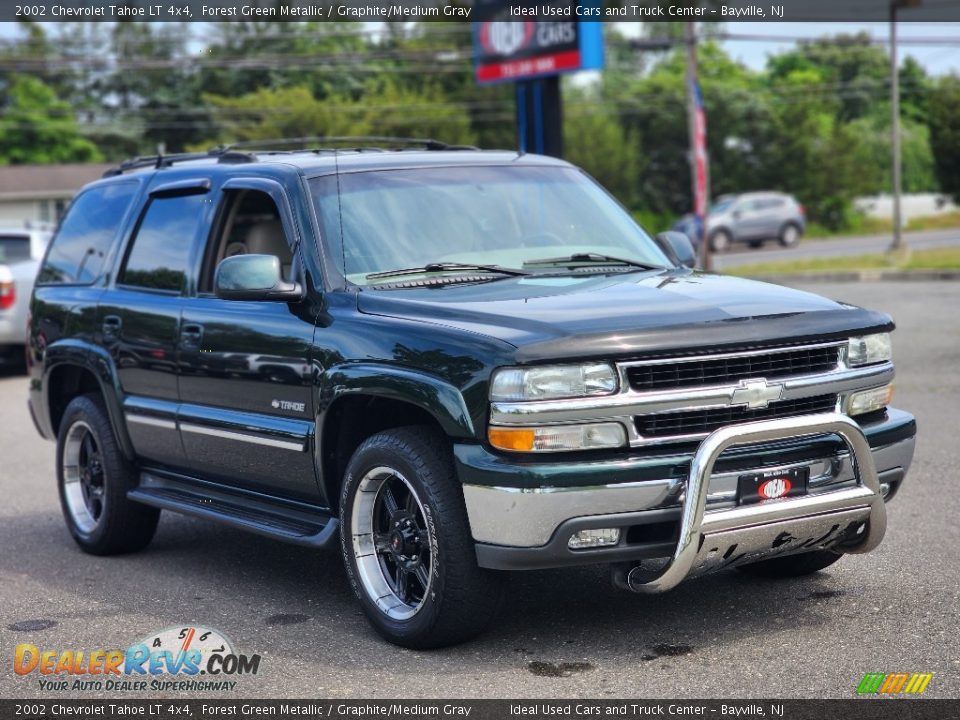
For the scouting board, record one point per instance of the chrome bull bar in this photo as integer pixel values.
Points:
(750, 528)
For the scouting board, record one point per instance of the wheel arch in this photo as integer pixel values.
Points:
(722, 229)
(361, 400)
(73, 368)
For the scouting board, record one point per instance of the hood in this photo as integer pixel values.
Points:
(625, 314)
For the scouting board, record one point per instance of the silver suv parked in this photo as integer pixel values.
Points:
(754, 218)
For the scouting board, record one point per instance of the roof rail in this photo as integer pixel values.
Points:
(161, 161)
(426, 143)
(235, 152)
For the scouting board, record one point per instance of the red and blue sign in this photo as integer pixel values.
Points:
(520, 41)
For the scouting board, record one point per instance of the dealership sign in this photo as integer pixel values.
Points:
(519, 41)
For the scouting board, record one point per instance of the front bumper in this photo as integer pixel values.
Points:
(522, 514)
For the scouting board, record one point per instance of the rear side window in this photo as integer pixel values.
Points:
(14, 248)
(160, 255)
(86, 234)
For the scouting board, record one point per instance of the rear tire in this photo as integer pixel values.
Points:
(792, 565)
(720, 241)
(789, 235)
(407, 545)
(93, 478)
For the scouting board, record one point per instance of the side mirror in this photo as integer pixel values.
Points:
(678, 248)
(254, 277)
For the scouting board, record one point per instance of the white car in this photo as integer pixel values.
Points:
(21, 250)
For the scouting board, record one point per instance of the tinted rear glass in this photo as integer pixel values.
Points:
(14, 248)
(86, 234)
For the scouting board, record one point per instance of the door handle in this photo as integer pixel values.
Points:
(191, 334)
(112, 325)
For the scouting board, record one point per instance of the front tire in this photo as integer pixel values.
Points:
(720, 241)
(792, 565)
(407, 544)
(93, 478)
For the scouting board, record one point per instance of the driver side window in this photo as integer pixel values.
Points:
(248, 224)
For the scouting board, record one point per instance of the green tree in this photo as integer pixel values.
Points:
(653, 113)
(914, 90)
(807, 150)
(284, 113)
(944, 110)
(872, 152)
(153, 97)
(39, 128)
(850, 70)
(597, 142)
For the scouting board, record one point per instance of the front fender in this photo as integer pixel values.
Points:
(442, 400)
(100, 364)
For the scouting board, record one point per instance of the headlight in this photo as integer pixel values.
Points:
(866, 401)
(869, 349)
(557, 438)
(552, 382)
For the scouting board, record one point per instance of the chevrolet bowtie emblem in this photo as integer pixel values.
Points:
(756, 394)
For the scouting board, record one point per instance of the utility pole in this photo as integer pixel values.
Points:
(895, 130)
(696, 128)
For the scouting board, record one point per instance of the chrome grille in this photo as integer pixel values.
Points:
(726, 369)
(701, 422)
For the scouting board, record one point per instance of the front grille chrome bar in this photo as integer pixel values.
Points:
(628, 403)
(754, 524)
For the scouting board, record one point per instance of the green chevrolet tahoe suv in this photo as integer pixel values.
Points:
(453, 364)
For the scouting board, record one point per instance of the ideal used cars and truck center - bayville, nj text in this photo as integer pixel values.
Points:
(175, 11)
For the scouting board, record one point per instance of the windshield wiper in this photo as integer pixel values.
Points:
(445, 267)
(591, 258)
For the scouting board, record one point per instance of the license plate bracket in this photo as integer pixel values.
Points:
(771, 484)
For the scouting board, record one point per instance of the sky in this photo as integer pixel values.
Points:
(939, 59)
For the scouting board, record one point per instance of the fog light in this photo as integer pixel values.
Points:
(867, 401)
(604, 537)
(558, 438)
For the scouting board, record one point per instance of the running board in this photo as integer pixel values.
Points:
(295, 523)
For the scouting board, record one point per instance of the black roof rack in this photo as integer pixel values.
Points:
(304, 142)
(246, 151)
(162, 161)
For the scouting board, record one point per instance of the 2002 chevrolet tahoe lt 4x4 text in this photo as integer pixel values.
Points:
(458, 363)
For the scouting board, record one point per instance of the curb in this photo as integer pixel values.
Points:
(872, 275)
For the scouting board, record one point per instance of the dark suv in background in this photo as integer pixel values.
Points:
(452, 363)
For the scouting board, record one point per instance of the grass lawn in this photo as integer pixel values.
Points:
(875, 226)
(935, 259)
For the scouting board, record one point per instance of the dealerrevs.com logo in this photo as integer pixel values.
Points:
(190, 658)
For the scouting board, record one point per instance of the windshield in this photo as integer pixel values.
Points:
(14, 248)
(498, 215)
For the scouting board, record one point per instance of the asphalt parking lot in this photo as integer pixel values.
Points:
(562, 633)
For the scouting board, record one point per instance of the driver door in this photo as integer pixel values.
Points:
(246, 414)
